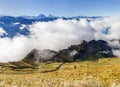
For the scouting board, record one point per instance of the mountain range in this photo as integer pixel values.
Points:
(93, 49)
(15, 25)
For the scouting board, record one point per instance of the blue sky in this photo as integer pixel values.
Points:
(61, 7)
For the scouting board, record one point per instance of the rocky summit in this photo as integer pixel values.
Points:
(86, 50)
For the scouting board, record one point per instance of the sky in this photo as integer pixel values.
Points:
(60, 7)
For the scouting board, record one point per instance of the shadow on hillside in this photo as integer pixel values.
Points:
(56, 69)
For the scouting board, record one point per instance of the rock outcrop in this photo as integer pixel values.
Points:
(37, 56)
(86, 50)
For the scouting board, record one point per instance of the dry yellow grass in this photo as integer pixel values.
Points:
(100, 73)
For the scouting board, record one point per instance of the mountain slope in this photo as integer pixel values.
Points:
(101, 73)
(84, 51)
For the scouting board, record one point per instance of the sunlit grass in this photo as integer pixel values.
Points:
(99, 73)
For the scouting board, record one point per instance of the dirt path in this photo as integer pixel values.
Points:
(57, 68)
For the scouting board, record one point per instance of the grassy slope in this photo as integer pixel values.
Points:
(100, 73)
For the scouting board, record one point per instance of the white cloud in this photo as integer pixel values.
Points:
(13, 49)
(112, 22)
(116, 52)
(60, 34)
(2, 31)
(57, 35)
(53, 35)
(22, 26)
(16, 23)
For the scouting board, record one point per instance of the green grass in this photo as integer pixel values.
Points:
(104, 72)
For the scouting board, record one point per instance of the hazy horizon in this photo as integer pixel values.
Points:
(60, 7)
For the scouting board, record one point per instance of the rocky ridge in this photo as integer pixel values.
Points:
(86, 50)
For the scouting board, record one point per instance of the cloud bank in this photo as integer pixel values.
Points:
(59, 34)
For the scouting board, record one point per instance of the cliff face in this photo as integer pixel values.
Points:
(86, 50)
